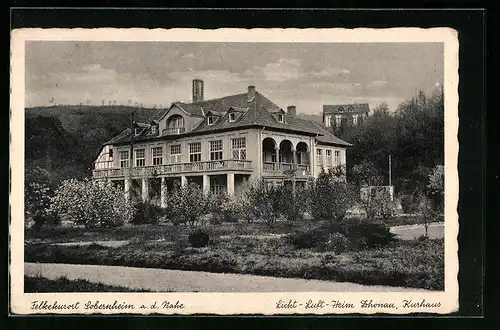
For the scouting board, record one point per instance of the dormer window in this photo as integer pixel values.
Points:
(341, 109)
(154, 129)
(137, 131)
(232, 117)
(281, 118)
(210, 120)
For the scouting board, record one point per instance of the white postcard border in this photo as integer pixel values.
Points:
(234, 303)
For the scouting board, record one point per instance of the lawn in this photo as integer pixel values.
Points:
(62, 284)
(418, 264)
(140, 233)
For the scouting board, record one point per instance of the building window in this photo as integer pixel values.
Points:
(232, 117)
(216, 188)
(210, 120)
(216, 150)
(328, 120)
(175, 153)
(176, 122)
(341, 109)
(319, 156)
(154, 129)
(337, 157)
(281, 118)
(195, 152)
(338, 119)
(239, 146)
(124, 159)
(329, 158)
(137, 130)
(355, 119)
(110, 154)
(140, 159)
(157, 154)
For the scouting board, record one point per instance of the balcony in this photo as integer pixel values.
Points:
(173, 131)
(179, 168)
(275, 167)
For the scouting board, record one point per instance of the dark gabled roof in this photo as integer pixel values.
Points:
(222, 104)
(255, 113)
(327, 137)
(258, 114)
(123, 136)
(356, 107)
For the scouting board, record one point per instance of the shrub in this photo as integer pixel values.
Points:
(187, 204)
(226, 208)
(331, 197)
(310, 238)
(146, 213)
(94, 204)
(335, 242)
(378, 203)
(366, 233)
(293, 204)
(199, 238)
(37, 203)
(409, 203)
(265, 202)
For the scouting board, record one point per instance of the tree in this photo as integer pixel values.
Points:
(428, 213)
(436, 186)
(366, 174)
(94, 204)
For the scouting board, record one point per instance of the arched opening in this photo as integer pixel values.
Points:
(175, 125)
(286, 155)
(302, 152)
(269, 154)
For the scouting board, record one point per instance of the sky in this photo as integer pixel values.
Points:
(307, 75)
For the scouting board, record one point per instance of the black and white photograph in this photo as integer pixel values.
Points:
(292, 173)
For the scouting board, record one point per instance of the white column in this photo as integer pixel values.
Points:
(163, 192)
(183, 180)
(128, 187)
(145, 190)
(206, 184)
(230, 183)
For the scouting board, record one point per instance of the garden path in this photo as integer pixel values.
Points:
(163, 280)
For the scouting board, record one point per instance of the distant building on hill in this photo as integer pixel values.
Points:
(343, 115)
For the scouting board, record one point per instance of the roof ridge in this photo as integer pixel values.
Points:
(215, 99)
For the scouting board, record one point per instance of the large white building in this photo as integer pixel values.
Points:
(219, 144)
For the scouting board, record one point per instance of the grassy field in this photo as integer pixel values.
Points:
(62, 284)
(415, 263)
(140, 233)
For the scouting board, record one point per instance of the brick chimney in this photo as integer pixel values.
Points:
(197, 90)
(291, 110)
(251, 93)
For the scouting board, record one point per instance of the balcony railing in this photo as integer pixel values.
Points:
(151, 171)
(173, 131)
(273, 167)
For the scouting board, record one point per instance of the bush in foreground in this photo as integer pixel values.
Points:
(146, 214)
(199, 238)
(94, 204)
(349, 234)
